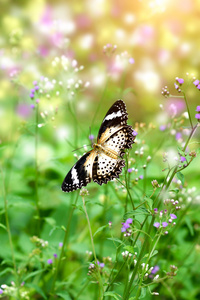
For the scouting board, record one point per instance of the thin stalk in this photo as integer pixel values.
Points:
(36, 170)
(101, 290)
(64, 245)
(190, 119)
(9, 234)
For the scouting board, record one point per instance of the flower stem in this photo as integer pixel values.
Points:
(101, 290)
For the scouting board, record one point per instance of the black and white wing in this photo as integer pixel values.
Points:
(80, 174)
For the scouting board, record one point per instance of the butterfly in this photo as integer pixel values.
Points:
(104, 162)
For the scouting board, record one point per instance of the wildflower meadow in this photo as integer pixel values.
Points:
(62, 66)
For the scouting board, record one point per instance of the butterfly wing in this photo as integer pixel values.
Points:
(106, 168)
(115, 119)
(80, 174)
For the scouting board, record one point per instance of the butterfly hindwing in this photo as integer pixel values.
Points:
(80, 174)
(106, 168)
(120, 140)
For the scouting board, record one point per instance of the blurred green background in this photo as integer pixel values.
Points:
(82, 56)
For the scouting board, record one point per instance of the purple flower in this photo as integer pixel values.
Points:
(61, 245)
(180, 80)
(176, 86)
(36, 88)
(32, 106)
(35, 82)
(32, 91)
(31, 95)
(198, 108)
(50, 261)
(196, 82)
(172, 110)
(135, 133)
(131, 60)
(182, 159)
(55, 255)
(155, 270)
(162, 127)
(156, 224)
(1, 291)
(173, 216)
(100, 264)
(91, 137)
(37, 100)
(198, 86)
(130, 170)
(178, 136)
(126, 225)
(23, 110)
(197, 116)
(155, 209)
(141, 177)
(164, 224)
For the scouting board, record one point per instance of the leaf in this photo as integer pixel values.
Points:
(130, 249)
(64, 296)
(3, 226)
(143, 293)
(32, 274)
(100, 229)
(175, 190)
(111, 294)
(50, 221)
(38, 289)
(115, 240)
(181, 177)
(189, 225)
(149, 202)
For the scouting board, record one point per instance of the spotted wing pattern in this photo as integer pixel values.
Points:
(80, 174)
(106, 168)
(104, 162)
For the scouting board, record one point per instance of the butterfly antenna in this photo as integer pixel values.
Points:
(80, 148)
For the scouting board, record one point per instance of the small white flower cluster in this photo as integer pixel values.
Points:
(39, 242)
(14, 291)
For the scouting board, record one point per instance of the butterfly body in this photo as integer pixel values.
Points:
(104, 162)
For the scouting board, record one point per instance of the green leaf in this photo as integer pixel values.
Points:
(64, 295)
(50, 221)
(143, 293)
(32, 274)
(189, 225)
(130, 249)
(100, 229)
(149, 202)
(38, 289)
(111, 294)
(181, 177)
(3, 226)
(115, 240)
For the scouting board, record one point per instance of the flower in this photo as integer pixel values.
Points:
(50, 261)
(156, 224)
(55, 255)
(1, 291)
(135, 133)
(197, 116)
(182, 159)
(173, 216)
(101, 265)
(196, 82)
(91, 137)
(126, 225)
(130, 170)
(162, 127)
(60, 245)
(164, 224)
(141, 177)
(155, 269)
(198, 108)
(180, 80)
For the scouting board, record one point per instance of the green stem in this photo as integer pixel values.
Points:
(36, 171)
(190, 119)
(101, 290)
(9, 233)
(64, 245)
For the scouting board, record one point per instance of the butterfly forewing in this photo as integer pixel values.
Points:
(80, 174)
(104, 162)
(115, 118)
